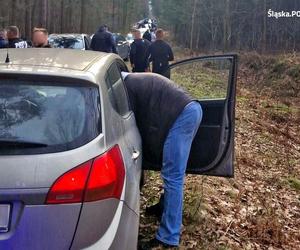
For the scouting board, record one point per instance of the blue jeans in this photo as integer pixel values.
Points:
(175, 157)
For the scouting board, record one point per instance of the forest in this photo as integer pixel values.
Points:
(229, 25)
(71, 16)
(203, 25)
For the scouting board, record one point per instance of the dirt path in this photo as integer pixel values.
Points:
(260, 207)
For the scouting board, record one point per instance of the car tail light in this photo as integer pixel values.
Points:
(97, 179)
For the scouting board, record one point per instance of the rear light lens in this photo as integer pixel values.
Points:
(69, 188)
(97, 179)
(107, 177)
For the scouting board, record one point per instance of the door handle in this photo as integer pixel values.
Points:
(135, 155)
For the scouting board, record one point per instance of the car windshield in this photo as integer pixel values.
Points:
(43, 118)
(67, 42)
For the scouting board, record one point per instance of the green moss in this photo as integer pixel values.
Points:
(293, 182)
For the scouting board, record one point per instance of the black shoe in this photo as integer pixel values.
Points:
(155, 244)
(155, 210)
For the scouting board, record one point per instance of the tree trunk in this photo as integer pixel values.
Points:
(264, 32)
(193, 24)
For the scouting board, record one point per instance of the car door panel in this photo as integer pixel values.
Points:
(211, 80)
(213, 146)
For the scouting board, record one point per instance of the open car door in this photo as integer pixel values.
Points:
(212, 81)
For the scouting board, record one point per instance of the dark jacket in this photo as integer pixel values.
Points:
(138, 55)
(17, 43)
(147, 35)
(156, 103)
(47, 46)
(103, 41)
(160, 53)
(3, 43)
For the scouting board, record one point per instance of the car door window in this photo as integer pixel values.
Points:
(204, 79)
(116, 90)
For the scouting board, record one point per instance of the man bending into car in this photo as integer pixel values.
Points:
(168, 119)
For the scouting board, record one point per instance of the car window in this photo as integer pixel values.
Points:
(55, 116)
(119, 39)
(66, 42)
(122, 38)
(116, 90)
(203, 79)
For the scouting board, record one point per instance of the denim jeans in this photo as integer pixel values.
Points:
(175, 157)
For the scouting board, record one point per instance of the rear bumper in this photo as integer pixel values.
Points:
(41, 227)
(118, 232)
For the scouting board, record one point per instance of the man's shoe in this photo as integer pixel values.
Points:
(155, 210)
(155, 244)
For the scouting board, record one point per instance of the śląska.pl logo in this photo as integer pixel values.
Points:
(279, 14)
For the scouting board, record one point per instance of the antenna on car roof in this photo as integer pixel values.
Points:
(7, 60)
(7, 57)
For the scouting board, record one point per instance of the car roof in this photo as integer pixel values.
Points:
(67, 35)
(59, 62)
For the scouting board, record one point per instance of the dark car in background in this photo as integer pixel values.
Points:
(70, 41)
(123, 46)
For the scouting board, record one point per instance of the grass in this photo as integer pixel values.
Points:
(294, 183)
(201, 80)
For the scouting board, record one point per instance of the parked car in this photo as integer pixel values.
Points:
(70, 150)
(130, 38)
(122, 45)
(70, 41)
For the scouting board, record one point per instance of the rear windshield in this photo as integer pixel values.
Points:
(41, 118)
(66, 42)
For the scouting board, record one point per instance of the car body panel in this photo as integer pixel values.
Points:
(123, 240)
(93, 222)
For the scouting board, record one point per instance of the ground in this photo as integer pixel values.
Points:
(260, 207)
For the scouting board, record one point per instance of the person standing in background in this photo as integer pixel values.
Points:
(138, 53)
(40, 38)
(14, 40)
(160, 53)
(147, 35)
(103, 41)
(153, 36)
(3, 39)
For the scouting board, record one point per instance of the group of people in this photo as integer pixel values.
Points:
(143, 50)
(10, 38)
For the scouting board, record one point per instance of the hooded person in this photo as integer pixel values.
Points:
(103, 41)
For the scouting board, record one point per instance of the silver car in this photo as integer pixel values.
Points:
(70, 151)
